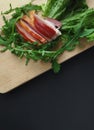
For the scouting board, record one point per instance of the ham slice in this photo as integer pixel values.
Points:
(30, 22)
(24, 33)
(55, 22)
(36, 28)
(32, 32)
(46, 28)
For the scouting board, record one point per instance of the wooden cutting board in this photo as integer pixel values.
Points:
(13, 71)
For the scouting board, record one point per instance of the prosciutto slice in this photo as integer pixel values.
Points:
(36, 28)
(24, 33)
(46, 28)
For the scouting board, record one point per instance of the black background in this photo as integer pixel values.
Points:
(63, 101)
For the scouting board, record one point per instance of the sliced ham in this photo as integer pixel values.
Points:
(43, 28)
(24, 33)
(46, 28)
(55, 22)
(32, 32)
(35, 28)
(30, 22)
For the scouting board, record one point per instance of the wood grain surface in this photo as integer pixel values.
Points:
(13, 71)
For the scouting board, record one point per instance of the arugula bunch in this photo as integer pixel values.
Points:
(76, 24)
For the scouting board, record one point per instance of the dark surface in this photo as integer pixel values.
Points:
(63, 101)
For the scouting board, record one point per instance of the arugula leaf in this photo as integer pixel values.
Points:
(87, 32)
(54, 7)
(56, 66)
(24, 9)
(59, 9)
(72, 24)
(91, 37)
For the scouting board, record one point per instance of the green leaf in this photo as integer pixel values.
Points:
(55, 66)
(87, 32)
(90, 37)
(61, 8)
